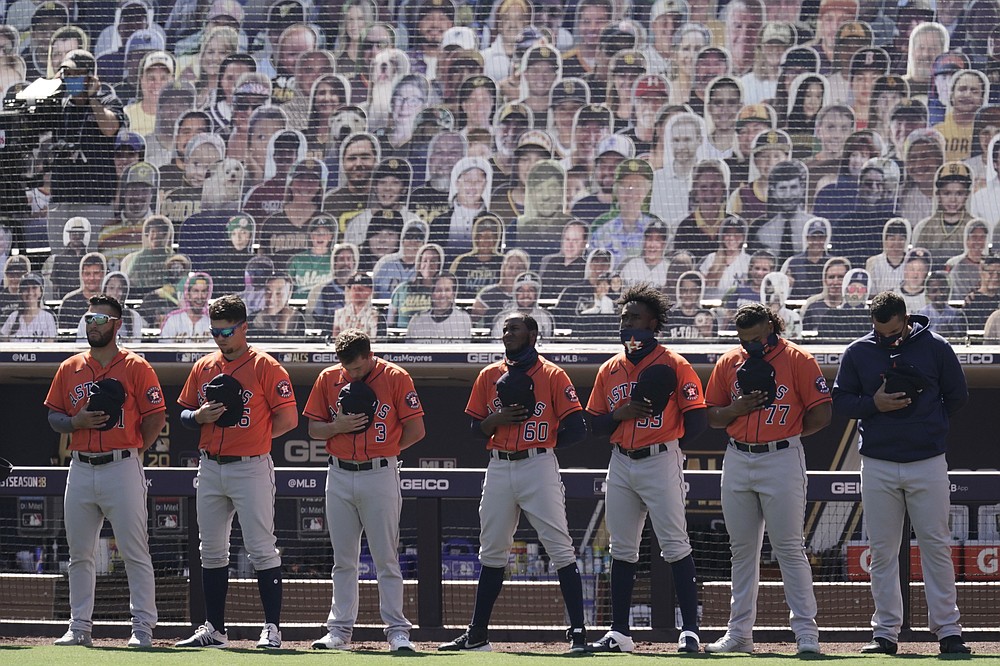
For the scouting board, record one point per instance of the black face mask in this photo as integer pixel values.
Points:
(759, 349)
(891, 341)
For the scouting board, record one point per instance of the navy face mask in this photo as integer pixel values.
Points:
(890, 341)
(759, 349)
(638, 342)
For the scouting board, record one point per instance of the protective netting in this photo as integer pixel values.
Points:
(417, 168)
(33, 581)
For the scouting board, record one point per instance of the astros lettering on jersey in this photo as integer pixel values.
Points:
(555, 399)
(613, 387)
(800, 386)
(397, 403)
(143, 396)
(266, 389)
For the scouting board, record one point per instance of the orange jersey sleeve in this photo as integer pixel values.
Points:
(397, 403)
(70, 390)
(800, 386)
(613, 388)
(555, 399)
(266, 389)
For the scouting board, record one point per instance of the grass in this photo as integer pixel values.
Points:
(106, 656)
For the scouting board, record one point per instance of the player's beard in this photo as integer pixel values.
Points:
(99, 340)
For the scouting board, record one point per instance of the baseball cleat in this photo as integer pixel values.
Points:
(808, 645)
(880, 645)
(577, 637)
(331, 642)
(205, 637)
(688, 642)
(75, 638)
(474, 639)
(953, 645)
(613, 641)
(270, 637)
(730, 643)
(140, 639)
(400, 643)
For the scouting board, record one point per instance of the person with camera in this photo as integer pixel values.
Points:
(82, 160)
(110, 402)
(903, 383)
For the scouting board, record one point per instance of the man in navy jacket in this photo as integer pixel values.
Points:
(903, 382)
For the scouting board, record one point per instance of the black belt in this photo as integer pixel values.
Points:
(359, 466)
(104, 458)
(225, 460)
(518, 455)
(760, 448)
(644, 452)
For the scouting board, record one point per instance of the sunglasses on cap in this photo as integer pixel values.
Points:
(225, 332)
(98, 319)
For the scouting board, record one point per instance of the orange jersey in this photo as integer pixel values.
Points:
(800, 386)
(266, 389)
(555, 399)
(614, 383)
(397, 404)
(143, 396)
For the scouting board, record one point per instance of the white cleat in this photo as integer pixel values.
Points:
(730, 643)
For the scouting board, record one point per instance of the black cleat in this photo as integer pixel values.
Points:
(954, 645)
(473, 640)
(577, 638)
(880, 645)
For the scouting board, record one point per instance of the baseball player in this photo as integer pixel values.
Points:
(240, 399)
(647, 399)
(768, 393)
(367, 411)
(524, 406)
(110, 401)
(903, 383)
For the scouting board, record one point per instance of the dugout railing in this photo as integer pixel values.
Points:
(438, 559)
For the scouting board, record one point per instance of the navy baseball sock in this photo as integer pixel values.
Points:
(490, 582)
(215, 582)
(686, 585)
(622, 581)
(269, 586)
(572, 591)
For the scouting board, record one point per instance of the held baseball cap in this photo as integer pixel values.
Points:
(778, 32)
(652, 86)
(618, 144)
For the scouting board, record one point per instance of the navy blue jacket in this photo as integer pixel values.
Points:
(916, 432)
